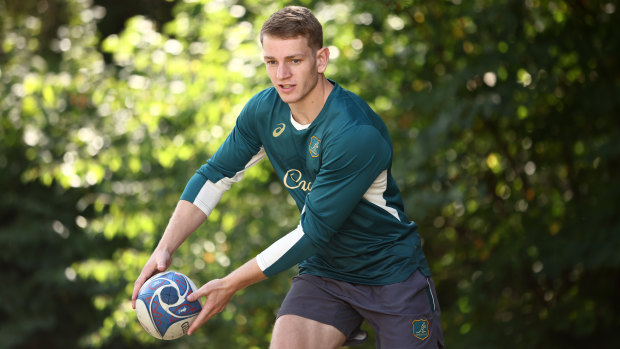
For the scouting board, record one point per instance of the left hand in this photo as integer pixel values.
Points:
(217, 293)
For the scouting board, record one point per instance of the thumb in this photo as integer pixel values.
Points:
(162, 261)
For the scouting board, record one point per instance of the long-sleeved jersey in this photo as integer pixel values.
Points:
(338, 169)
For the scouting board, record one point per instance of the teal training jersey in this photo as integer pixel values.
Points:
(338, 169)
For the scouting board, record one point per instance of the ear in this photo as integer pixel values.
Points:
(322, 58)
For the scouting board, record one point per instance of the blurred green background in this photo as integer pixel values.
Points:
(504, 116)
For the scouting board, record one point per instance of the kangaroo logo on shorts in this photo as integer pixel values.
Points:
(420, 329)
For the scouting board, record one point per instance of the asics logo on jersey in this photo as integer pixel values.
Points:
(278, 130)
(293, 180)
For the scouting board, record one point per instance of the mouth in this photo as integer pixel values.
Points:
(286, 88)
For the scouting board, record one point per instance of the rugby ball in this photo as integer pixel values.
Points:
(162, 307)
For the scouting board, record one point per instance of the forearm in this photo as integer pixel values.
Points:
(286, 252)
(244, 276)
(185, 219)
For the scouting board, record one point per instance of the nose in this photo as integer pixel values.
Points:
(283, 72)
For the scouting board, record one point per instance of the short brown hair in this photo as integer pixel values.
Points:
(293, 21)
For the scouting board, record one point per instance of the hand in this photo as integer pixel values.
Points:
(159, 261)
(217, 293)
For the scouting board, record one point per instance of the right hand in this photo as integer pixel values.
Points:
(158, 262)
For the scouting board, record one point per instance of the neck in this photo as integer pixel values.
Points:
(306, 110)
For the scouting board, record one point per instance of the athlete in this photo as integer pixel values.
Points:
(358, 253)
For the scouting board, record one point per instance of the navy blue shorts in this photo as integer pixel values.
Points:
(403, 315)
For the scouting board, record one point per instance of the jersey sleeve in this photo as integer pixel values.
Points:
(286, 252)
(241, 150)
(350, 166)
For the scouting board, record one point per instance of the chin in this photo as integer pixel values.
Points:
(288, 98)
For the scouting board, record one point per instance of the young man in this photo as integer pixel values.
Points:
(359, 255)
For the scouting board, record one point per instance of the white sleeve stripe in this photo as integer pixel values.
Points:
(274, 252)
(374, 194)
(211, 193)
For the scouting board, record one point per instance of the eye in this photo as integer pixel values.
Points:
(295, 61)
(270, 62)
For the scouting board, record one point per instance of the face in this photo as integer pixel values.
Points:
(293, 67)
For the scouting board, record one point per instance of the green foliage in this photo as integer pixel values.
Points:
(502, 115)
(511, 163)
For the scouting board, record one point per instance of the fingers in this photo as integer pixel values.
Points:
(208, 311)
(216, 300)
(159, 262)
(193, 297)
(203, 317)
(205, 313)
(136, 287)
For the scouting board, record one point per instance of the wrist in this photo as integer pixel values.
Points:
(230, 283)
(244, 276)
(163, 247)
